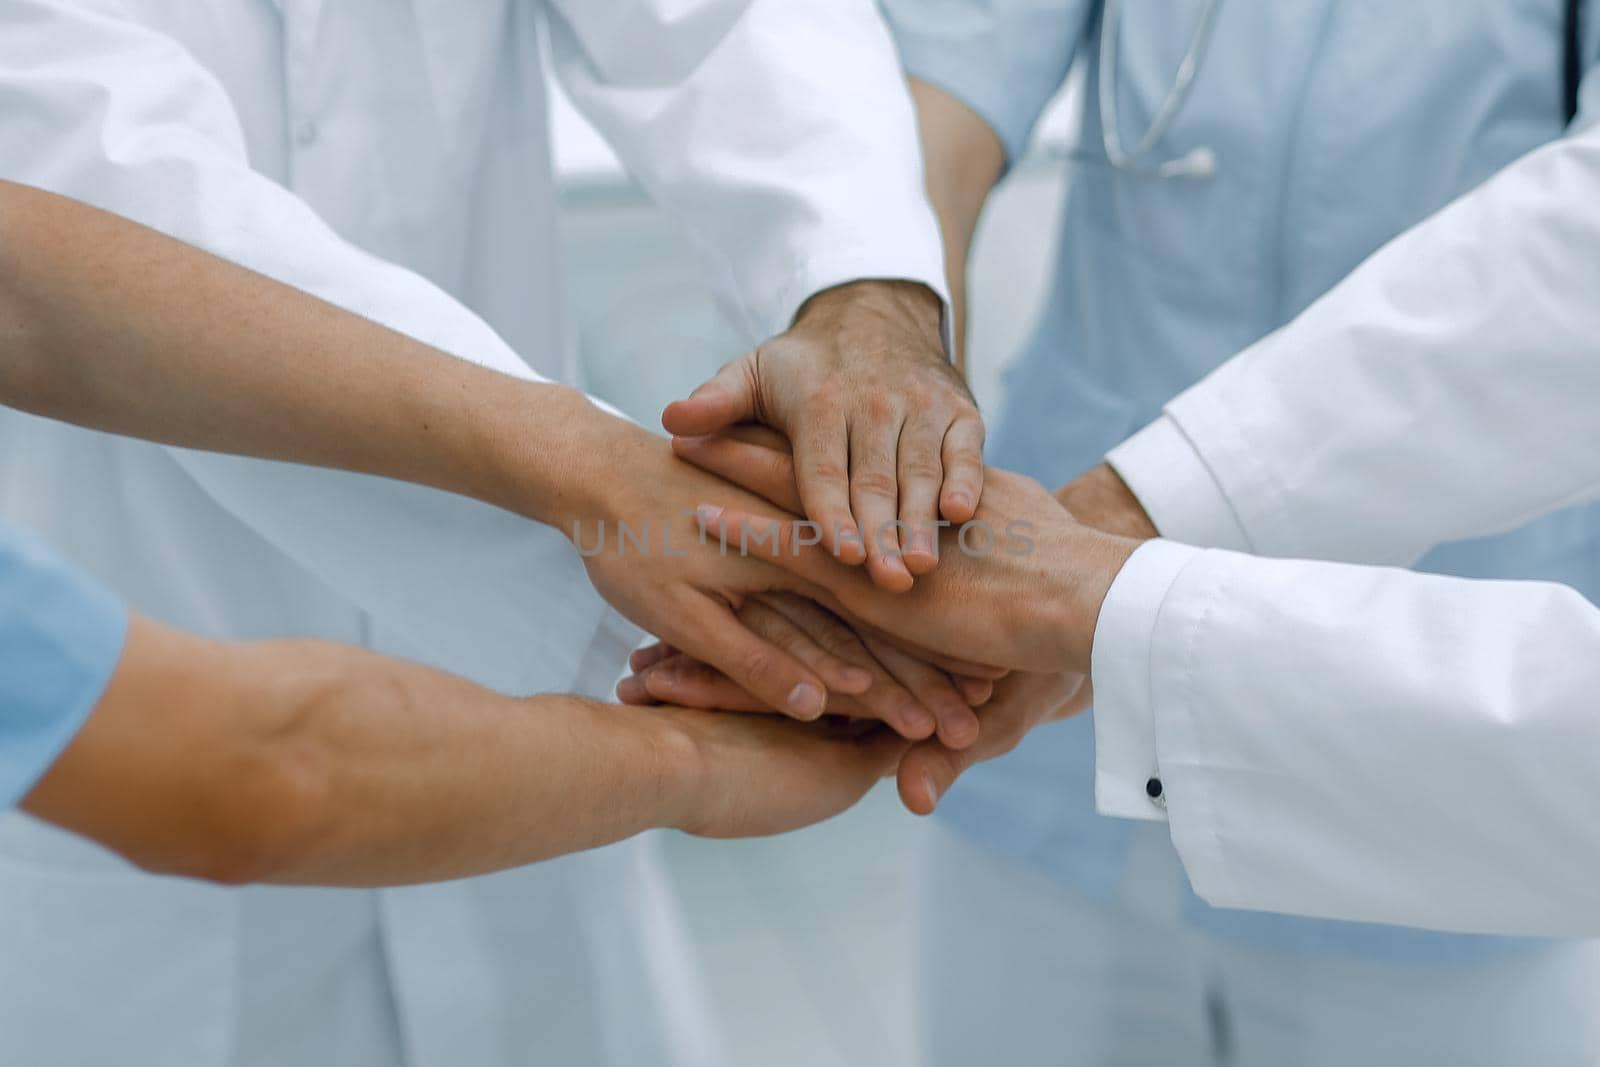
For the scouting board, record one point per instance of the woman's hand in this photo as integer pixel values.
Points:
(632, 518)
(915, 698)
(752, 775)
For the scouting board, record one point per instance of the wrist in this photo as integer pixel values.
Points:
(677, 763)
(1081, 576)
(1099, 498)
(911, 305)
(548, 451)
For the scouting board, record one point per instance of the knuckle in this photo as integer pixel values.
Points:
(756, 664)
(876, 482)
(826, 470)
(921, 467)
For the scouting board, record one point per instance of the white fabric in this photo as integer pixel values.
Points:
(392, 158)
(1176, 489)
(1125, 736)
(1366, 743)
(1446, 389)
(1018, 968)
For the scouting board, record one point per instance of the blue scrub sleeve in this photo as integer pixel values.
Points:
(61, 635)
(1005, 59)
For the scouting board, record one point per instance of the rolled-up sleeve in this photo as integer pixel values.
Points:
(61, 636)
(1004, 59)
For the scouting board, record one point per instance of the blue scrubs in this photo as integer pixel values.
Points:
(61, 636)
(1336, 124)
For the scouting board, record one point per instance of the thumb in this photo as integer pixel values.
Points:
(728, 397)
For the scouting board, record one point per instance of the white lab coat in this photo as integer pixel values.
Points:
(1364, 742)
(392, 158)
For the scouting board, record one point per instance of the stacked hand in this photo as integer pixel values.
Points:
(960, 640)
(1019, 587)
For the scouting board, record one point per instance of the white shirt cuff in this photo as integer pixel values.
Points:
(1176, 488)
(1124, 715)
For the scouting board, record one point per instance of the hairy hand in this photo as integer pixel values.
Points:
(883, 428)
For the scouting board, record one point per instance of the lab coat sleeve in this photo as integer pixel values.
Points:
(96, 107)
(1445, 390)
(781, 133)
(1366, 743)
(1004, 59)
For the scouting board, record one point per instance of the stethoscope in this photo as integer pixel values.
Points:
(1199, 163)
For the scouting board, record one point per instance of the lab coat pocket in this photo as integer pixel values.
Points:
(101, 964)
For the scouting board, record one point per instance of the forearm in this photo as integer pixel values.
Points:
(963, 160)
(310, 762)
(112, 325)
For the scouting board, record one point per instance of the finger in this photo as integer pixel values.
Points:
(651, 653)
(761, 435)
(886, 700)
(921, 474)
(759, 667)
(837, 672)
(930, 768)
(957, 723)
(963, 469)
(778, 540)
(692, 684)
(632, 690)
(948, 664)
(729, 396)
(875, 493)
(976, 691)
(766, 472)
(822, 477)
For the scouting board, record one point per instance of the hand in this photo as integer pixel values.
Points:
(883, 427)
(914, 698)
(1021, 588)
(1021, 702)
(632, 518)
(752, 775)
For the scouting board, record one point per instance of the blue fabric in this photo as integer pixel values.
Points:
(1336, 125)
(61, 635)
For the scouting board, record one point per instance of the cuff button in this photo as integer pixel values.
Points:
(1153, 790)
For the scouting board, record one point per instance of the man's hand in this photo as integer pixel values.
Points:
(1021, 702)
(883, 428)
(1020, 586)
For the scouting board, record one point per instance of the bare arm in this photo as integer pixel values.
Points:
(964, 159)
(108, 324)
(316, 763)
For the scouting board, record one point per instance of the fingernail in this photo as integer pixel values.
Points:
(806, 701)
(922, 543)
(932, 788)
(960, 502)
(708, 513)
